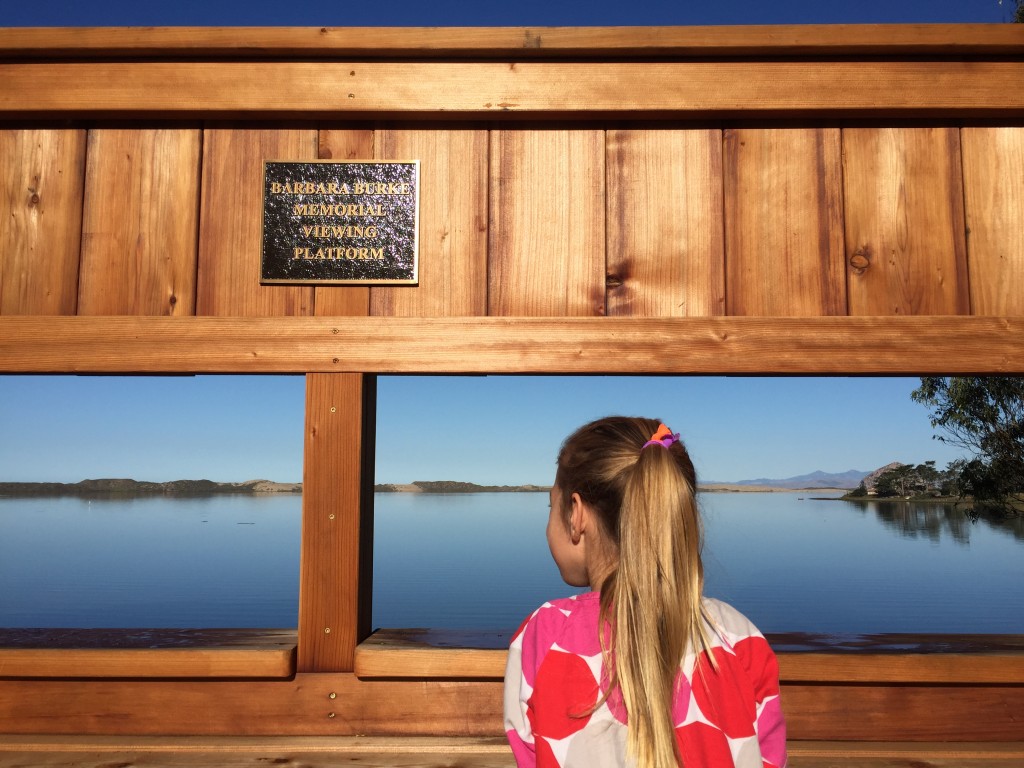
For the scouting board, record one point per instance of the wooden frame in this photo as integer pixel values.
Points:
(827, 284)
(728, 345)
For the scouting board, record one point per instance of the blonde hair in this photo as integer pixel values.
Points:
(645, 499)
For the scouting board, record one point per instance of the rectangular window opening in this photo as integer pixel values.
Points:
(463, 465)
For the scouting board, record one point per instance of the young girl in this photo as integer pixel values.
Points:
(643, 670)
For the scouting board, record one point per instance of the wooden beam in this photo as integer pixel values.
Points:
(521, 42)
(415, 654)
(339, 704)
(366, 89)
(147, 653)
(136, 663)
(373, 660)
(732, 345)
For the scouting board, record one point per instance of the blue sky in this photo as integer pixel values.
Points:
(483, 429)
(15, 13)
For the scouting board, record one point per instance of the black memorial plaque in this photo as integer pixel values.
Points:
(340, 223)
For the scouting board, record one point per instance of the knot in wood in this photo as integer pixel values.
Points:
(861, 259)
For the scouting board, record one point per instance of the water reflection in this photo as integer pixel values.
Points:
(931, 520)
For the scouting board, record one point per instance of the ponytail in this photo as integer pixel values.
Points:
(651, 602)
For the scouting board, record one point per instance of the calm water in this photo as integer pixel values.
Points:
(480, 561)
(150, 562)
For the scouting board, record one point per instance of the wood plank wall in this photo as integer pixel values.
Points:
(671, 221)
(786, 180)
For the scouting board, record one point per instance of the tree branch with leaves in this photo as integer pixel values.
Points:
(985, 416)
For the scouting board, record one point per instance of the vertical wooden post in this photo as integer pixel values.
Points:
(335, 571)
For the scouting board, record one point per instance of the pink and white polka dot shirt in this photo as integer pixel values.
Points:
(729, 718)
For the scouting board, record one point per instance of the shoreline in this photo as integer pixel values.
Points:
(123, 488)
(738, 488)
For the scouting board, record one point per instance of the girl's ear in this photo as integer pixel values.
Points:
(577, 518)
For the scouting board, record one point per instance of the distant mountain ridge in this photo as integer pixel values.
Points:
(454, 486)
(818, 479)
(121, 487)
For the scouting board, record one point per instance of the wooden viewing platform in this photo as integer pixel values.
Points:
(765, 200)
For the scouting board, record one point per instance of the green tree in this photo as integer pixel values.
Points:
(898, 481)
(984, 415)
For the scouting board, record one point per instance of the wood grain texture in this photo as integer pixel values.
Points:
(426, 663)
(905, 713)
(547, 226)
(303, 707)
(343, 144)
(452, 225)
(41, 173)
(336, 562)
(666, 255)
(432, 752)
(894, 40)
(383, 655)
(147, 653)
(910, 345)
(139, 230)
(231, 225)
(906, 250)
(994, 197)
(149, 663)
(783, 222)
(497, 90)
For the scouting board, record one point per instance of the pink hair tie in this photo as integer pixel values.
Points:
(663, 437)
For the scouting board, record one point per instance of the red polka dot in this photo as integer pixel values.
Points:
(565, 687)
(762, 664)
(703, 745)
(725, 697)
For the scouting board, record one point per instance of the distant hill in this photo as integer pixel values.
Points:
(454, 486)
(124, 488)
(849, 479)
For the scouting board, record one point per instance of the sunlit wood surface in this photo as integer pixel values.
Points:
(231, 225)
(453, 223)
(905, 345)
(803, 657)
(547, 224)
(994, 199)
(906, 247)
(665, 240)
(369, 89)
(522, 42)
(337, 521)
(783, 225)
(147, 653)
(42, 175)
(140, 222)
